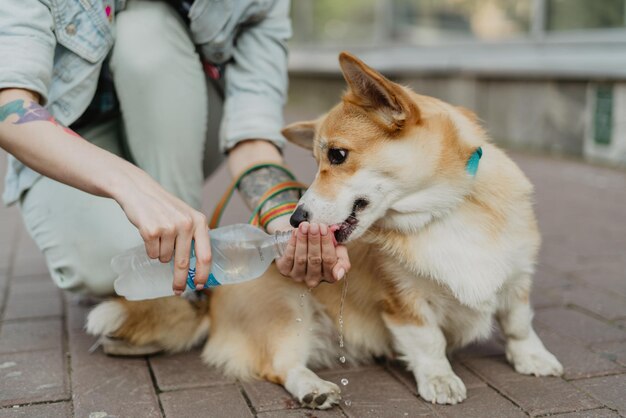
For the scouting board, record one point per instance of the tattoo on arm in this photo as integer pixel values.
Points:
(254, 184)
(34, 112)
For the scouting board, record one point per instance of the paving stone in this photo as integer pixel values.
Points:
(30, 267)
(3, 289)
(546, 298)
(481, 402)
(185, 370)
(107, 385)
(266, 396)
(615, 351)
(574, 324)
(76, 313)
(609, 390)
(373, 392)
(36, 376)
(33, 286)
(600, 302)
(31, 335)
(609, 275)
(303, 413)
(9, 226)
(578, 361)
(43, 277)
(48, 410)
(494, 346)
(537, 396)
(5, 260)
(399, 370)
(548, 287)
(547, 278)
(554, 255)
(216, 402)
(23, 306)
(28, 259)
(594, 413)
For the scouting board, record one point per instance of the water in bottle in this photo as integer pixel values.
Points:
(240, 253)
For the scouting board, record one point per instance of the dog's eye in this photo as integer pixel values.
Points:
(337, 155)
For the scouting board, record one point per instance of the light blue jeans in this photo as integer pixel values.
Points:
(169, 127)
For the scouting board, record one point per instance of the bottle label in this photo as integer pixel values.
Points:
(191, 275)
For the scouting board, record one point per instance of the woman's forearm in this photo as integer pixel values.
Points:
(254, 185)
(32, 135)
(249, 152)
(167, 225)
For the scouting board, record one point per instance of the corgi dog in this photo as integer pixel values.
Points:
(442, 239)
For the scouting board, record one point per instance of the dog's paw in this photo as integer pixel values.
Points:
(311, 391)
(322, 398)
(529, 356)
(532, 360)
(442, 389)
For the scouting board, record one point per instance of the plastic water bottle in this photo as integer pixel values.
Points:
(240, 253)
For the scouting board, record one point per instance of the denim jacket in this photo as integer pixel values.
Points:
(56, 48)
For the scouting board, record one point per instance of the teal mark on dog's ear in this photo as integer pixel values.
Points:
(301, 134)
(472, 163)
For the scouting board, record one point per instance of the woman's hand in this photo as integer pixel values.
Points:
(312, 255)
(167, 226)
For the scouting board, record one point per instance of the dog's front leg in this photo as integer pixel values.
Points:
(524, 349)
(421, 343)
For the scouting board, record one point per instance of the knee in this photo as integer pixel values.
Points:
(150, 40)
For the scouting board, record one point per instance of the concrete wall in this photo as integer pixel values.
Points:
(550, 116)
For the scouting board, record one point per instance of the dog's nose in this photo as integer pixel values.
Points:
(299, 216)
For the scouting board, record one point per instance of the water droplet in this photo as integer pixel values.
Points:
(342, 359)
(298, 319)
(348, 402)
(344, 291)
(344, 381)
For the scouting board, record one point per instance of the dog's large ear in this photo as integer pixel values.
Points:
(371, 90)
(301, 133)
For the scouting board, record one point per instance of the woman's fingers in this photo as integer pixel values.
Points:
(181, 262)
(342, 266)
(202, 248)
(166, 244)
(301, 258)
(285, 263)
(151, 240)
(314, 257)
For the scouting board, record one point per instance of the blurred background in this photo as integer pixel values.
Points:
(545, 75)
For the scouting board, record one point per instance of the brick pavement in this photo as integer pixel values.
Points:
(580, 295)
